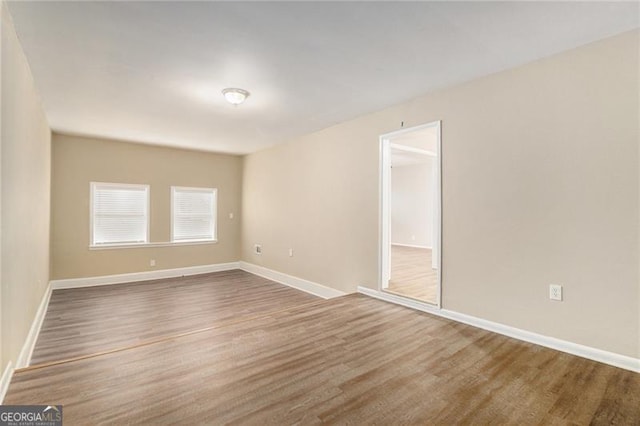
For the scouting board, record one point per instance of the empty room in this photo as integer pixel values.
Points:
(273, 213)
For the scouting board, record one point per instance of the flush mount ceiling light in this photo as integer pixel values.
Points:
(235, 96)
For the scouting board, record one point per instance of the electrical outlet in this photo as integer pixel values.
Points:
(290, 252)
(555, 292)
(257, 249)
(230, 215)
(152, 262)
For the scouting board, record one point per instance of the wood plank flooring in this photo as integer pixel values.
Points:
(89, 320)
(350, 360)
(412, 275)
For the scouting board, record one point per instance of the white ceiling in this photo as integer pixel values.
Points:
(153, 71)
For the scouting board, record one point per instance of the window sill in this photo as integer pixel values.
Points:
(148, 245)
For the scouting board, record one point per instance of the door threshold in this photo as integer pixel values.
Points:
(417, 299)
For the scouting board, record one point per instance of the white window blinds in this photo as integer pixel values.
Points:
(193, 214)
(119, 213)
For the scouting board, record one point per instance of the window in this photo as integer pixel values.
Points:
(193, 214)
(119, 214)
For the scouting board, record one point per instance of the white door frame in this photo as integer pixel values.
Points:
(385, 207)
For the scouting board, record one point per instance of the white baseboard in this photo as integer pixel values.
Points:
(7, 374)
(291, 281)
(606, 357)
(412, 246)
(30, 342)
(142, 276)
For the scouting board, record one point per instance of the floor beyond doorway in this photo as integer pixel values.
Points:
(412, 275)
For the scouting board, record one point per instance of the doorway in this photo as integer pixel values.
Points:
(411, 213)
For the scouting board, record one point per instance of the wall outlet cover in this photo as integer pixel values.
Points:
(555, 292)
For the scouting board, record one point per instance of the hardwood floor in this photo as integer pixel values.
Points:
(90, 320)
(412, 275)
(349, 360)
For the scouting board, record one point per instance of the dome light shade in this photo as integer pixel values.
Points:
(235, 96)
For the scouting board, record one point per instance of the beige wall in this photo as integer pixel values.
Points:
(78, 161)
(25, 170)
(412, 204)
(540, 186)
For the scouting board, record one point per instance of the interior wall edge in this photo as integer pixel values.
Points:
(26, 176)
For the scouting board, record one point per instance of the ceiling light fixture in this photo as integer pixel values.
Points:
(235, 96)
